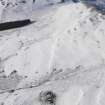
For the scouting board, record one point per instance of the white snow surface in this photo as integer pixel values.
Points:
(63, 51)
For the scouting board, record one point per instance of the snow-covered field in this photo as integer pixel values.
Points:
(62, 52)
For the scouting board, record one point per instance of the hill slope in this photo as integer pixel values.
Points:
(62, 52)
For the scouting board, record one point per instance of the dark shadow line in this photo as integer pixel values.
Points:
(15, 24)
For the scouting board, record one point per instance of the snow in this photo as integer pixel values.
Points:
(79, 47)
(72, 96)
(63, 51)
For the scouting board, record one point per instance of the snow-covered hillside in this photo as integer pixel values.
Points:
(62, 52)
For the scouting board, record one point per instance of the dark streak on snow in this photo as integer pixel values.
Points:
(15, 24)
